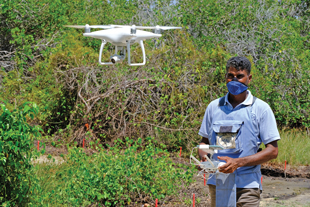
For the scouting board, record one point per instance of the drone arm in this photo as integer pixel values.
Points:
(100, 54)
(143, 52)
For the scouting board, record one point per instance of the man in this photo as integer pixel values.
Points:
(240, 122)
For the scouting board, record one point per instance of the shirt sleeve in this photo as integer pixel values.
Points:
(268, 129)
(206, 122)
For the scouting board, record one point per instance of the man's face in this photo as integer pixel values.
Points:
(241, 75)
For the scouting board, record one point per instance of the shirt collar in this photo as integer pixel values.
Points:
(247, 101)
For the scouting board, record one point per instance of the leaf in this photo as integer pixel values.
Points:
(26, 108)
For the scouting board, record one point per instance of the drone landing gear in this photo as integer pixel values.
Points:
(143, 52)
(100, 54)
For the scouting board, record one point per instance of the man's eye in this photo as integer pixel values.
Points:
(240, 76)
(230, 76)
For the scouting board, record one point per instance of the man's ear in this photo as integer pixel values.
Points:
(250, 78)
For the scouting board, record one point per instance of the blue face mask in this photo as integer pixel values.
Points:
(235, 87)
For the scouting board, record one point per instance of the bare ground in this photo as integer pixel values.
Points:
(285, 188)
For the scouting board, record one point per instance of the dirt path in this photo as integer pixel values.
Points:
(278, 191)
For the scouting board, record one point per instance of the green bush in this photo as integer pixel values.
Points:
(16, 141)
(110, 178)
(56, 67)
(273, 34)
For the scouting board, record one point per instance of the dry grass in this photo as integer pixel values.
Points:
(294, 147)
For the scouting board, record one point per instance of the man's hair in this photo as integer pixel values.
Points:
(240, 63)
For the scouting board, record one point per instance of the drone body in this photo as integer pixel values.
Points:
(122, 37)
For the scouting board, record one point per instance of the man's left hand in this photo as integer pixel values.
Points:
(230, 166)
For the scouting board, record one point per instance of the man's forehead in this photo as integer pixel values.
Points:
(234, 70)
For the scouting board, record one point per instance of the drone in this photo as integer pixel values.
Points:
(122, 36)
(209, 166)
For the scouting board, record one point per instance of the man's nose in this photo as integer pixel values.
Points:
(235, 79)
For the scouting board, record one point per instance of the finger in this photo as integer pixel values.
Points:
(223, 167)
(225, 170)
(220, 158)
(223, 158)
(198, 167)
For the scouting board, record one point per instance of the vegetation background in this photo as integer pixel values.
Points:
(57, 68)
(41, 61)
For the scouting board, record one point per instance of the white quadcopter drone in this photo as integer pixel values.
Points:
(209, 166)
(122, 36)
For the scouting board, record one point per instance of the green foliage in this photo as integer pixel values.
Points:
(115, 177)
(57, 67)
(42, 61)
(274, 35)
(16, 141)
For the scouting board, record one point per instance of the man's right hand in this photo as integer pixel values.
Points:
(203, 159)
(202, 154)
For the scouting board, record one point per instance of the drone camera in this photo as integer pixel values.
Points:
(116, 58)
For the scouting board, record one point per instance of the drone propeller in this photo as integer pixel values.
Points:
(158, 27)
(121, 26)
(90, 26)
